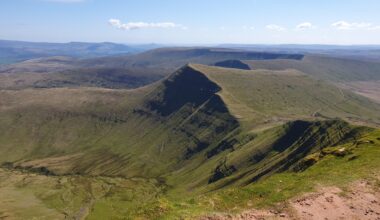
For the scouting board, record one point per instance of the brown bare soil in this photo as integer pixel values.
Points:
(360, 201)
(369, 89)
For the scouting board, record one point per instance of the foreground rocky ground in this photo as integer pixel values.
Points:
(359, 201)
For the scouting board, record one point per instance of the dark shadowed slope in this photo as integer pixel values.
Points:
(236, 64)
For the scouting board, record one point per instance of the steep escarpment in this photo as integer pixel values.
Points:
(149, 132)
(188, 102)
(278, 149)
(187, 86)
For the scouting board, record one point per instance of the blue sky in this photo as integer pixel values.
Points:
(192, 22)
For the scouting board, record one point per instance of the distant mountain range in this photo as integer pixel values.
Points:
(118, 71)
(15, 51)
(365, 52)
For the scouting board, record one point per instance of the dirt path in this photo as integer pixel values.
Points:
(359, 202)
(84, 211)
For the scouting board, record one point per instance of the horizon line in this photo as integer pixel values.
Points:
(197, 44)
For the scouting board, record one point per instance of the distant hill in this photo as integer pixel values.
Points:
(361, 52)
(361, 76)
(326, 68)
(15, 51)
(358, 75)
(236, 64)
(177, 57)
(127, 71)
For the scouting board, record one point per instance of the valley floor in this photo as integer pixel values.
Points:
(27, 195)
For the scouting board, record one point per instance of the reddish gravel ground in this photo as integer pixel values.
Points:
(360, 201)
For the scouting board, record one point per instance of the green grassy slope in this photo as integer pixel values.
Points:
(136, 198)
(286, 95)
(120, 136)
(333, 166)
(61, 72)
(200, 129)
(159, 128)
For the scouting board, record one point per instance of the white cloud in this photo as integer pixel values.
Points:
(374, 28)
(305, 26)
(274, 27)
(344, 25)
(141, 25)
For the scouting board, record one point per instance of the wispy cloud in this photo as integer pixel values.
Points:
(344, 25)
(305, 26)
(274, 27)
(142, 25)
